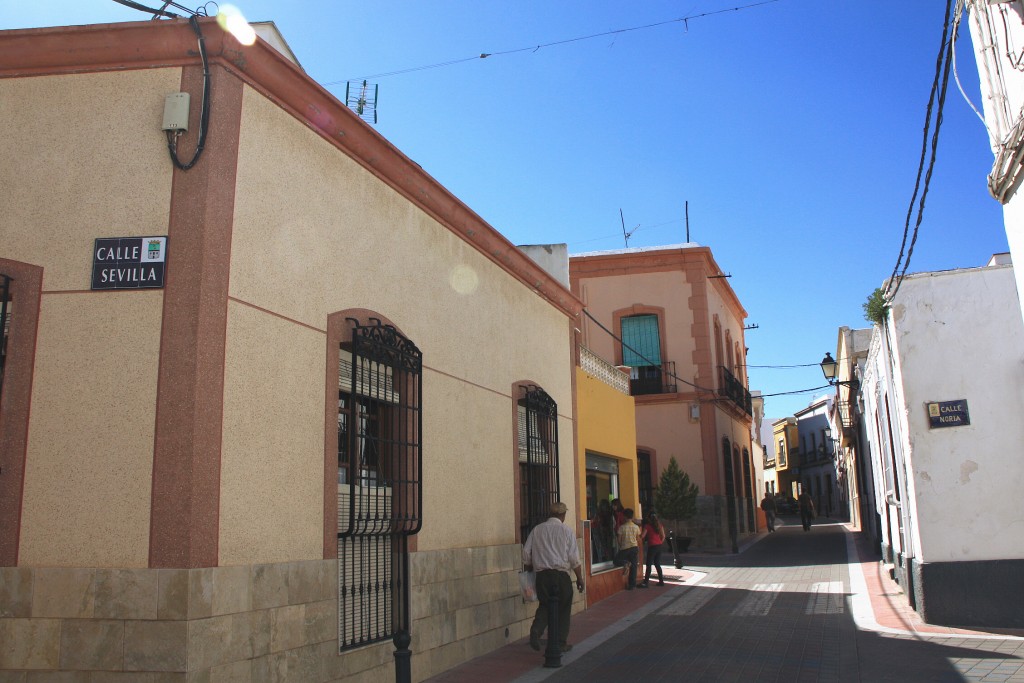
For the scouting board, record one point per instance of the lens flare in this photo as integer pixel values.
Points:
(463, 279)
(231, 20)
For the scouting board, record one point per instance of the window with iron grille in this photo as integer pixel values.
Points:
(5, 323)
(643, 475)
(538, 457)
(379, 481)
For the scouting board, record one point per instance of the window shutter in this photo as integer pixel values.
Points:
(375, 380)
(641, 343)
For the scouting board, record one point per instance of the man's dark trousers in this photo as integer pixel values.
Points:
(552, 582)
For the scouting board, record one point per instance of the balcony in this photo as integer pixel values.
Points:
(653, 379)
(733, 389)
(596, 366)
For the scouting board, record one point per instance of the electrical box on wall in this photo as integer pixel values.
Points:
(694, 411)
(176, 111)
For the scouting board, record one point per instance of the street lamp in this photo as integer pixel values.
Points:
(828, 368)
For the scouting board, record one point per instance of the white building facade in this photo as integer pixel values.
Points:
(997, 31)
(942, 410)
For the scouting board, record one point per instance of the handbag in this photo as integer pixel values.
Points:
(528, 585)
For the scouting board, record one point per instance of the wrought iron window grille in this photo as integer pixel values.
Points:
(538, 457)
(5, 323)
(380, 482)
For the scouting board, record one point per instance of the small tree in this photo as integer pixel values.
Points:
(676, 499)
(875, 308)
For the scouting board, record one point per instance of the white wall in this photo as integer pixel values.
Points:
(953, 339)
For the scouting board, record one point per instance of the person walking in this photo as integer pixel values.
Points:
(768, 505)
(550, 551)
(653, 535)
(806, 510)
(629, 555)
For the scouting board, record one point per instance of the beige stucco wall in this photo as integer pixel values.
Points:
(115, 178)
(93, 396)
(306, 218)
(668, 290)
(271, 501)
(89, 464)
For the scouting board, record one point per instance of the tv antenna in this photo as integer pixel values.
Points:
(362, 99)
(627, 235)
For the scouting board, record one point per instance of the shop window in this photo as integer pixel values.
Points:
(379, 480)
(602, 488)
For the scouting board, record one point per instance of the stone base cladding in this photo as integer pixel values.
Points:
(983, 594)
(466, 603)
(274, 622)
(249, 624)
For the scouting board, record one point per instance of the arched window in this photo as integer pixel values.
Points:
(378, 394)
(20, 292)
(537, 453)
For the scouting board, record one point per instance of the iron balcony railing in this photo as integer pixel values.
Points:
(733, 389)
(653, 379)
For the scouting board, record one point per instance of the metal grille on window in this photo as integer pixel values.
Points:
(379, 481)
(643, 475)
(538, 457)
(5, 323)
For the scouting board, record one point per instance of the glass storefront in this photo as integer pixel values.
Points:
(602, 487)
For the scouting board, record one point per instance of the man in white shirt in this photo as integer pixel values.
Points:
(551, 551)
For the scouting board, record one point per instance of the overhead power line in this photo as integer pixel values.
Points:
(936, 100)
(534, 48)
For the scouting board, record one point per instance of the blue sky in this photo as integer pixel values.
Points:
(793, 129)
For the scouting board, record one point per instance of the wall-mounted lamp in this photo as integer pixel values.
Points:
(828, 368)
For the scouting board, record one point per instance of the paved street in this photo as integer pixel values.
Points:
(789, 608)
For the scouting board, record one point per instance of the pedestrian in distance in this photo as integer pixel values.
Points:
(768, 505)
(629, 555)
(653, 534)
(806, 510)
(550, 551)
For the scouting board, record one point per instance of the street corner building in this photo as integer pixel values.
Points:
(260, 409)
(668, 315)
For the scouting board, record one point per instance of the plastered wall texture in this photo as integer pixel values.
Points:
(282, 230)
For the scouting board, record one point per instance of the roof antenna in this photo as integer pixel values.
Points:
(626, 235)
(687, 221)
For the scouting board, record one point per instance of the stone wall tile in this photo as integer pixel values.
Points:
(15, 592)
(56, 677)
(305, 581)
(272, 668)
(235, 672)
(304, 664)
(231, 590)
(209, 642)
(320, 621)
(136, 677)
(62, 592)
(92, 645)
(200, 593)
(269, 585)
(126, 594)
(286, 627)
(13, 677)
(172, 593)
(30, 643)
(156, 646)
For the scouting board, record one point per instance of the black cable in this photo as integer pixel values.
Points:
(940, 62)
(155, 12)
(204, 117)
(534, 48)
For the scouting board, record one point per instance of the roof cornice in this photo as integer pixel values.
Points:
(172, 43)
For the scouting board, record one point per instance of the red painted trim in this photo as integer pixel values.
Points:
(185, 513)
(16, 401)
(156, 44)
